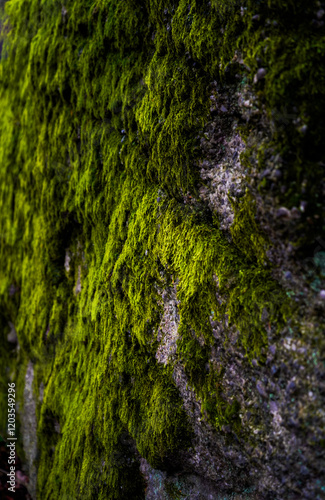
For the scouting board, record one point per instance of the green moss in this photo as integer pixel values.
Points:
(293, 96)
(173, 491)
(102, 104)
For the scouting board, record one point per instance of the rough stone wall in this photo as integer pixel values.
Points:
(162, 247)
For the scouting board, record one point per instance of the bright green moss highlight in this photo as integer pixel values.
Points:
(101, 108)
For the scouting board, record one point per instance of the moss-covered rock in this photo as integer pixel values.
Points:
(161, 225)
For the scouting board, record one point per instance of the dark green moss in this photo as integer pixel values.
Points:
(101, 106)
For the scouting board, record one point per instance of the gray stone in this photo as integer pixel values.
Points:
(29, 427)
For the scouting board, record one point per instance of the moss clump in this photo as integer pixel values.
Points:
(102, 103)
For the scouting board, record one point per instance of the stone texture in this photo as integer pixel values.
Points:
(29, 427)
(281, 400)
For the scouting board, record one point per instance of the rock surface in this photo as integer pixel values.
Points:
(162, 271)
(29, 429)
